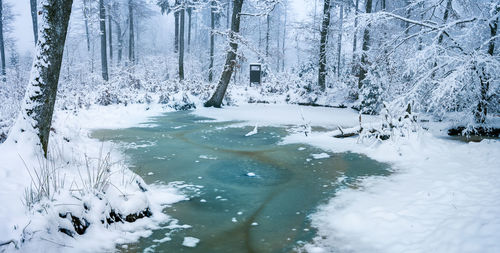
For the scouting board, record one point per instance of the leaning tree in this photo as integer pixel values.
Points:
(34, 122)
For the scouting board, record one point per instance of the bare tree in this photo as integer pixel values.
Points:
(216, 99)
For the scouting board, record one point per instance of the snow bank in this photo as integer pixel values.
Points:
(443, 197)
(284, 114)
(39, 229)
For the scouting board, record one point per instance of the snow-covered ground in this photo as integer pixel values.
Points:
(442, 197)
(38, 229)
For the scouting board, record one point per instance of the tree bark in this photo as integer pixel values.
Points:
(482, 106)
(228, 13)
(131, 48)
(181, 43)
(190, 12)
(36, 114)
(176, 37)
(119, 36)
(2, 44)
(323, 43)
(212, 41)
(339, 44)
(355, 41)
(34, 19)
(110, 35)
(366, 45)
(268, 31)
(86, 19)
(284, 39)
(216, 99)
(102, 27)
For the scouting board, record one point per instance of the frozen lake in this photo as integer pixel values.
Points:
(248, 193)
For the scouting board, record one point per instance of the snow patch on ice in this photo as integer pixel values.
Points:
(190, 242)
(320, 156)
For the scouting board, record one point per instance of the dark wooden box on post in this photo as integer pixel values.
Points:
(255, 73)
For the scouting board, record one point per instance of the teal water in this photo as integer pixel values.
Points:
(231, 211)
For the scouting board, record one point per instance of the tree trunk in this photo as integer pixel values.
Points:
(181, 43)
(110, 35)
(212, 41)
(482, 106)
(2, 46)
(323, 43)
(131, 53)
(277, 43)
(216, 99)
(102, 27)
(38, 107)
(355, 42)
(445, 18)
(120, 41)
(34, 19)
(284, 39)
(176, 37)
(268, 30)
(190, 12)
(228, 13)
(366, 45)
(339, 50)
(86, 19)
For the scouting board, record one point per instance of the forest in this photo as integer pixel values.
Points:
(249, 125)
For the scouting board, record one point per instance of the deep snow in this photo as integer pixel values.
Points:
(36, 230)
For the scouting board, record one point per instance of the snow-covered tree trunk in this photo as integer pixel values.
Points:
(212, 41)
(216, 99)
(268, 32)
(283, 41)
(131, 49)
(34, 19)
(102, 29)
(482, 106)
(190, 14)
(355, 39)
(86, 20)
(181, 42)
(322, 45)
(176, 36)
(339, 43)
(110, 35)
(2, 44)
(34, 122)
(366, 45)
